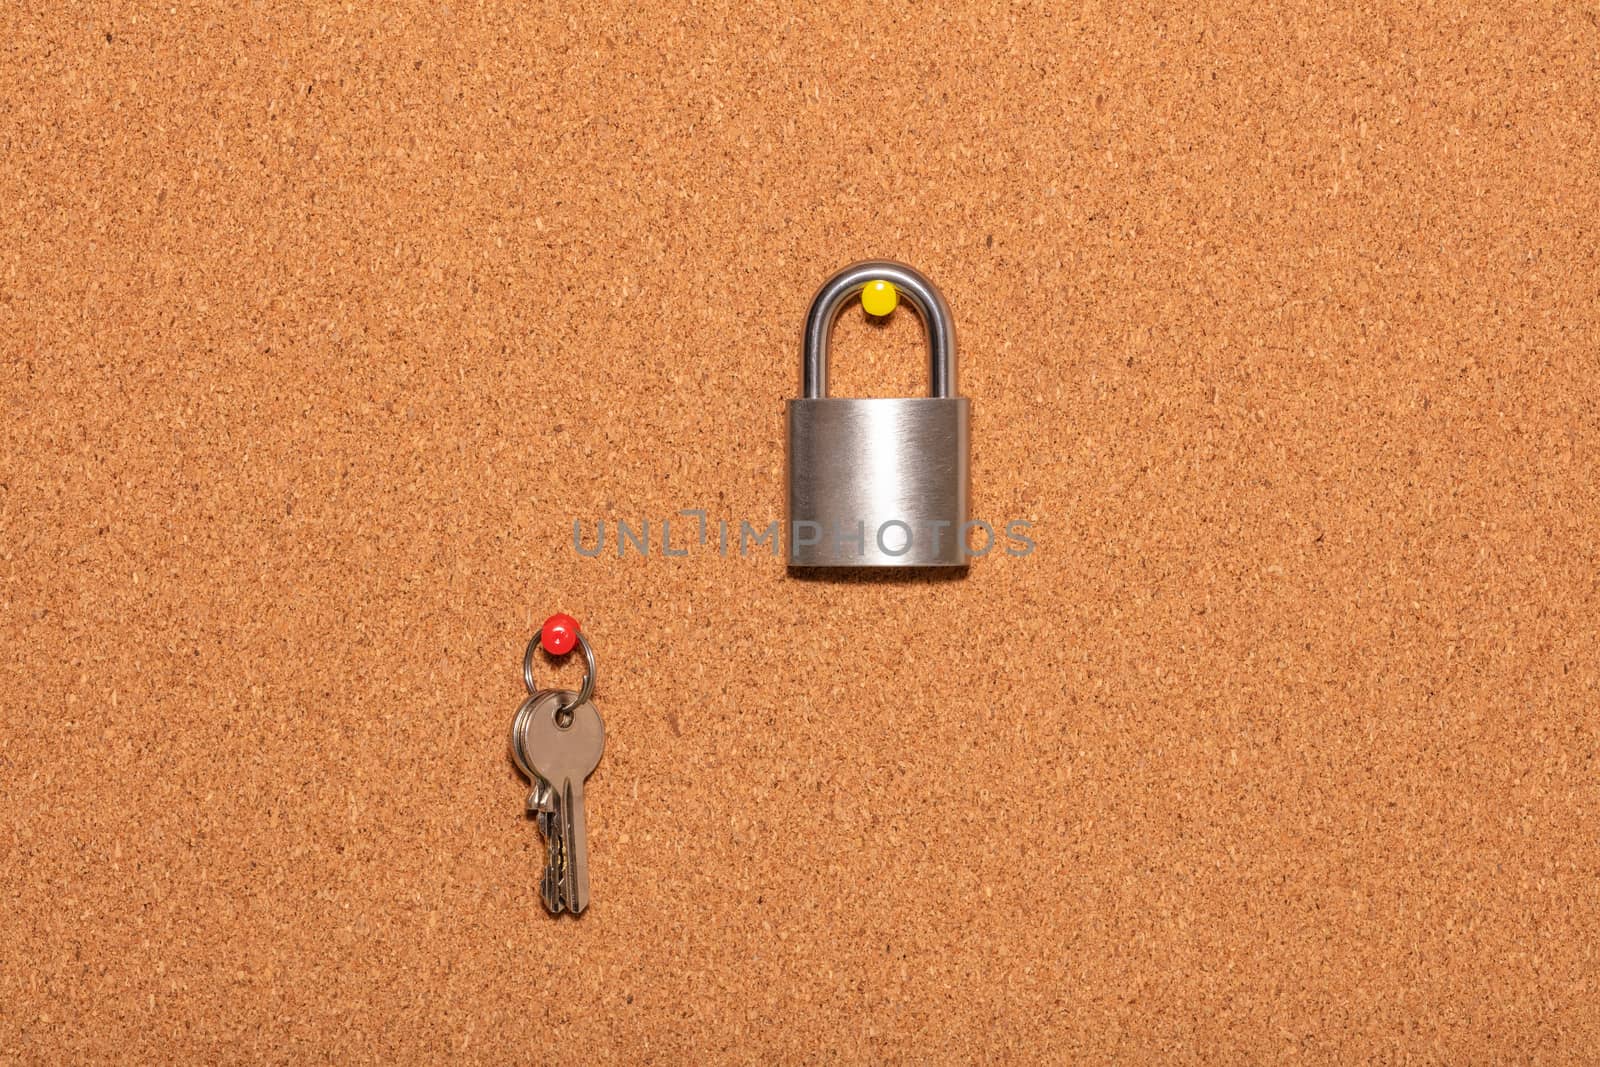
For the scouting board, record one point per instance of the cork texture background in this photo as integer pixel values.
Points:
(322, 324)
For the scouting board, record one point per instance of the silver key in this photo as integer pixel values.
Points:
(542, 806)
(563, 747)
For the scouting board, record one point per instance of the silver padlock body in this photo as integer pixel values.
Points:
(865, 474)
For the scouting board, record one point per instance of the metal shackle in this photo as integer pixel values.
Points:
(848, 283)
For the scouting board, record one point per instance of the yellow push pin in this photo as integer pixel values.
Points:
(879, 298)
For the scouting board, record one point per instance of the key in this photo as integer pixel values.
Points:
(542, 806)
(563, 747)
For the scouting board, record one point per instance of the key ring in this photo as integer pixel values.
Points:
(585, 691)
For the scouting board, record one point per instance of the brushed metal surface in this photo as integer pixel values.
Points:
(858, 467)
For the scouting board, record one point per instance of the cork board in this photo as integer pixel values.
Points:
(323, 324)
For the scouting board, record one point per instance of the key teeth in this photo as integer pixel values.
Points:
(551, 883)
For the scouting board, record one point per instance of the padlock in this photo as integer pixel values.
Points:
(878, 482)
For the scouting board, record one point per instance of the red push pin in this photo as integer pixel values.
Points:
(559, 634)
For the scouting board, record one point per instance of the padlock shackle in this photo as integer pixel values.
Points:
(848, 283)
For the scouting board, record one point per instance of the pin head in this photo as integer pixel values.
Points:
(559, 634)
(879, 298)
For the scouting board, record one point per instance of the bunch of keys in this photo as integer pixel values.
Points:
(556, 740)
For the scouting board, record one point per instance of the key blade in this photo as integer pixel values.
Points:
(552, 888)
(548, 816)
(576, 844)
